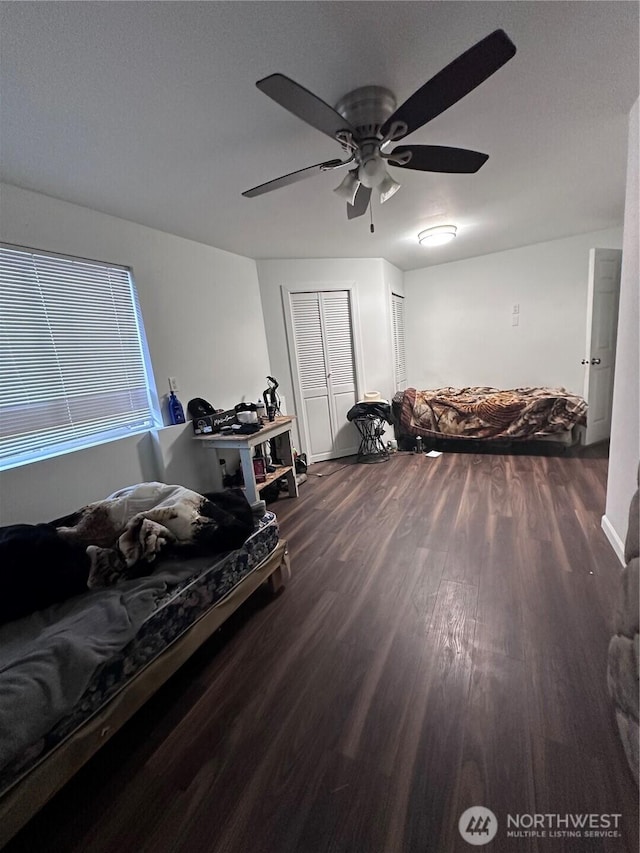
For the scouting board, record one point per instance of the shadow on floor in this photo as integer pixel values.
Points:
(515, 448)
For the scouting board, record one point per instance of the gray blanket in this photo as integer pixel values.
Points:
(48, 658)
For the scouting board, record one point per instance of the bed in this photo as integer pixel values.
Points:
(83, 667)
(484, 414)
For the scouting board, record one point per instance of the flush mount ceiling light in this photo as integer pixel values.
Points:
(437, 236)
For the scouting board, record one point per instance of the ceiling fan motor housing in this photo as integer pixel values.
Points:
(366, 109)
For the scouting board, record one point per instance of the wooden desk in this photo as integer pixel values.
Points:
(245, 443)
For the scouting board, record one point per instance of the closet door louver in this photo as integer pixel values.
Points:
(338, 339)
(312, 372)
(324, 354)
(309, 346)
(399, 361)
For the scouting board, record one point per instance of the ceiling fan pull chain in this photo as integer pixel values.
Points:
(371, 226)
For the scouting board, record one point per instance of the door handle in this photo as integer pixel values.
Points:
(595, 361)
(585, 361)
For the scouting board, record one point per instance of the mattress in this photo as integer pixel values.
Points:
(199, 585)
(489, 413)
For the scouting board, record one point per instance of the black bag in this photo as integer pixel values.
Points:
(301, 464)
(271, 492)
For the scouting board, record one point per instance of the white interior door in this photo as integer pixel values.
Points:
(323, 344)
(602, 327)
(312, 373)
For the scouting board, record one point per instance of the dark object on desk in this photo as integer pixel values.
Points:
(199, 408)
(271, 398)
(210, 424)
(240, 429)
(247, 413)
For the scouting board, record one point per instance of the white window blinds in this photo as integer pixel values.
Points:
(73, 366)
(399, 362)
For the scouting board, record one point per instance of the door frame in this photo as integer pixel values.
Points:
(590, 434)
(354, 308)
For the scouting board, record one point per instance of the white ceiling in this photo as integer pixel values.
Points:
(149, 111)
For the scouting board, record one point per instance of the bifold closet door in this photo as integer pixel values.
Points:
(325, 363)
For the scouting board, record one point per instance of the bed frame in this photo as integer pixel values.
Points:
(31, 792)
(559, 441)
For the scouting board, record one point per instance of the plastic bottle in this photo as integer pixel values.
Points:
(176, 412)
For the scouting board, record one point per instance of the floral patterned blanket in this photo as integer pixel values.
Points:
(482, 412)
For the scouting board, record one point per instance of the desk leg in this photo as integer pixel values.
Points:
(212, 453)
(246, 460)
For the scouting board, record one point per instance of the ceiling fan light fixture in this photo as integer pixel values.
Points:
(372, 172)
(388, 188)
(437, 236)
(348, 187)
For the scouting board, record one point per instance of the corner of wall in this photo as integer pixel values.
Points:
(624, 450)
(614, 540)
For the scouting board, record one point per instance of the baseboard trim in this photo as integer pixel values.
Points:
(614, 540)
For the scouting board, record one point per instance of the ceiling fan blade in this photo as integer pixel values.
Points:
(360, 202)
(304, 104)
(291, 178)
(438, 158)
(454, 82)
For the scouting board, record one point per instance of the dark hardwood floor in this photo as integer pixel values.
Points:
(442, 644)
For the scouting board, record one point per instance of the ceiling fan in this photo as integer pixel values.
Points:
(366, 121)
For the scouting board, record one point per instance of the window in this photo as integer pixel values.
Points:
(74, 366)
(399, 362)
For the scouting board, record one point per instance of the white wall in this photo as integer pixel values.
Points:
(54, 487)
(204, 324)
(372, 278)
(624, 451)
(459, 327)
